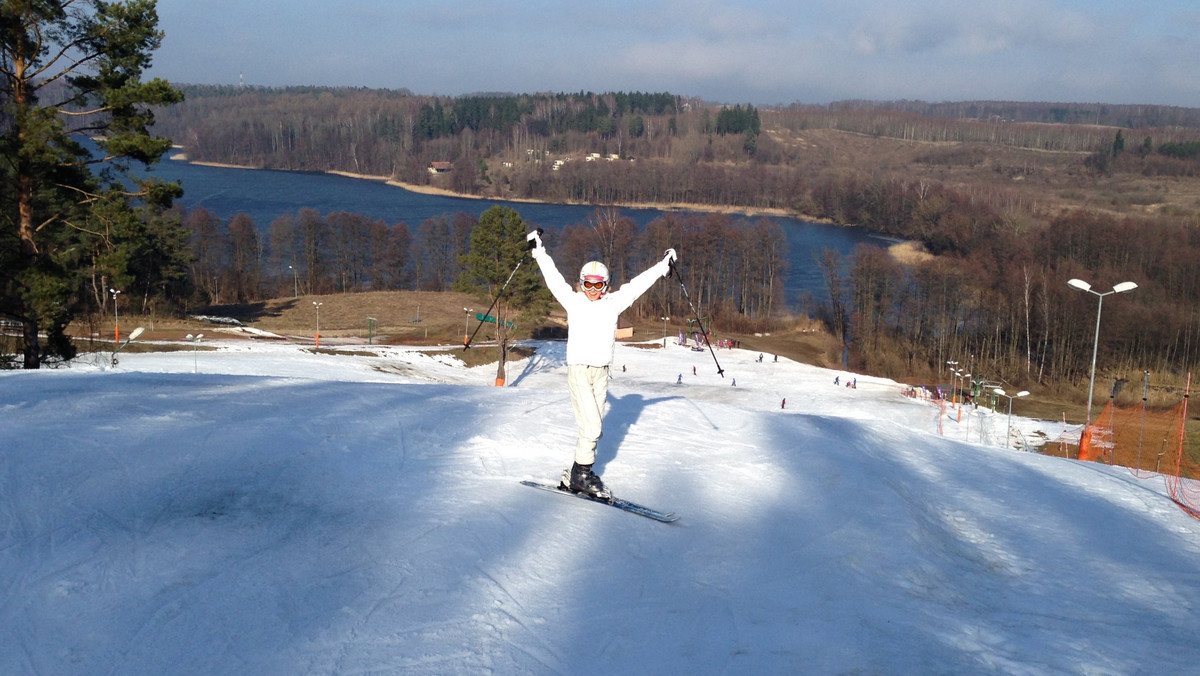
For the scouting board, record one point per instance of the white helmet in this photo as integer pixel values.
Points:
(595, 271)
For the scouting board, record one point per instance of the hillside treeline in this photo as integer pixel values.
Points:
(1129, 116)
(618, 148)
(995, 299)
(507, 145)
(737, 270)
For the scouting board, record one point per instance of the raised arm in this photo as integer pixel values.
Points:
(554, 280)
(631, 291)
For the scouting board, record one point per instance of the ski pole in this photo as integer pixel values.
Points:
(675, 273)
(499, 294)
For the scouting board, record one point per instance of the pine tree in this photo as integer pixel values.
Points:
(69, 71)
(498, 265)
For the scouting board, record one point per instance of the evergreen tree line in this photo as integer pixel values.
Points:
(735, 268)
(555, 114)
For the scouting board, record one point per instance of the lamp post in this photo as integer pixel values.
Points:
(195, 341)
(1084, 286)
(318, 308)
(959, 377)
(952, 364)
(295, 282)
(664, 321)
(1001, 392)
(116, 319)
(467, 324)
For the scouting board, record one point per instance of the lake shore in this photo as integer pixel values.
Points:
(906, 252)
(679, 206)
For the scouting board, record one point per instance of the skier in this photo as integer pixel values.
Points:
(591, 335)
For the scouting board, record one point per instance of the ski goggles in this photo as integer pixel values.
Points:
(599, 286)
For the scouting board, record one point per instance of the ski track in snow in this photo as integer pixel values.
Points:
(288, 512)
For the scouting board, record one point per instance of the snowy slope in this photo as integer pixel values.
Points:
(285, 512)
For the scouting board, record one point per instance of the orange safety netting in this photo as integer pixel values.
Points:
(1148, 442)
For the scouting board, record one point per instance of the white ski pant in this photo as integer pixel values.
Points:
(589, 389)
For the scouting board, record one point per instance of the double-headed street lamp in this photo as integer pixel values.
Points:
(467, 324)
(1084, 286)
(1022, 393)
(959, 381)
(318, 308)
(195, 341)
(116, 318)
(664, 321)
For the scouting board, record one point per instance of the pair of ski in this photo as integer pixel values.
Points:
(621, 504)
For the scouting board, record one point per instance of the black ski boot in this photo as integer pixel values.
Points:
(581, 479)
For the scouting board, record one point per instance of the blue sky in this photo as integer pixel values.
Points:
(753, 51)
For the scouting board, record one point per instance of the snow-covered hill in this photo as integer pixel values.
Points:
(287, 512)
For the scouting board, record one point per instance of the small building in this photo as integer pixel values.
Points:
(624, 328)
(440, 167)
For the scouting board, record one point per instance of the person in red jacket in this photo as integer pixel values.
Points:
(592, 312)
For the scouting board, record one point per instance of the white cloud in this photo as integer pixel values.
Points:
(953, 28)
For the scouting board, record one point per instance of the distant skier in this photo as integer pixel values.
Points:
(591, 334)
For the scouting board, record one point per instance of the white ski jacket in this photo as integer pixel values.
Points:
(592, 325)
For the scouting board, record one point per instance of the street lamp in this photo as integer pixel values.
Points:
(116, 318)
(1001, 392)
(318, 308)
(467, 324)
(959, 378)
(195, 341)
(295, 282)
(664, 321)
(1084, 286)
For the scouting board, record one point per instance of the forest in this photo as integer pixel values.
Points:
(313, 253)
(1011, 200)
